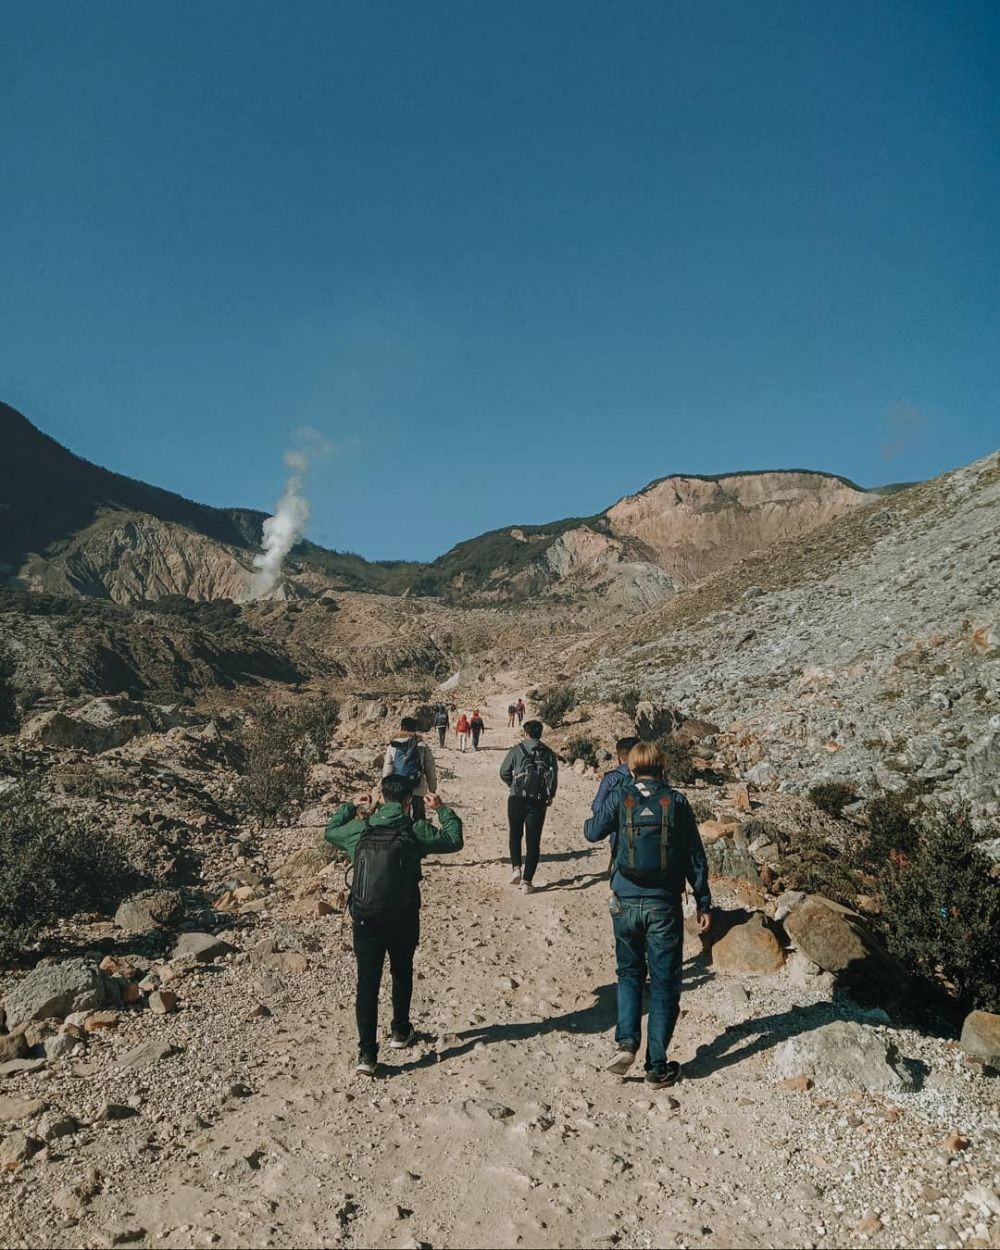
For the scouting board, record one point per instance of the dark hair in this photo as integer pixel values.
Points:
(408, 725)
(624, 745)
(533, 728)
(396, 788)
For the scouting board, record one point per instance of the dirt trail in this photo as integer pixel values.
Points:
(501, 1128)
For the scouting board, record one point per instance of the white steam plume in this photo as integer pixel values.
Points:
(283, 530)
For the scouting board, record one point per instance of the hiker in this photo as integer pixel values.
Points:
(520, 711)
(657, 849)
(441, 720)
(531, 771)
(615, 778)
(462, 729)
(385, 848)
(511, 713)
(477, 726)
(409, 756)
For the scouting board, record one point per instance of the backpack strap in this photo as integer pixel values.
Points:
(630, 829)
(666, 803)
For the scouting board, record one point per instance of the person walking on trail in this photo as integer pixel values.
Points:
(463, 729)
(385, 848)
(511, 713)
(409, 756)
(531, 772)
(520, 711)
(477, 727)
(617, 776)
(441, 719)
(657, 848)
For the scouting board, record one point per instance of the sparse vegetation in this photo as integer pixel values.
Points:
(278, 744)
(942, 911)
(629, 701)
(52, 866)
(680, 770)
(554, 703)
(892, 826)
(832, 796)
(9, 716)
(582, 747)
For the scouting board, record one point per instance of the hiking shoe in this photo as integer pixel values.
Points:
(366, 1065)
(623, 1060)
(401, 1039)
(661, 1080)
(515, 877)
(527, 887)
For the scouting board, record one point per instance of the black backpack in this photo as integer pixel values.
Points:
(646, 820)
(534, 773)
(386, 873)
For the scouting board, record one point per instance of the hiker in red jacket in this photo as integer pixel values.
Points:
(463, 729)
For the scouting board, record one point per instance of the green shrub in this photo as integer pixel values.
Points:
(629, 701)
(278, 744)
(9, 718)
(679, 770)
(52, 866)
(553, 704)
(892, 826)
(832, 796)
(942, 911)
(582, 747)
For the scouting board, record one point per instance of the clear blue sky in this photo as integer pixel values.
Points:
(516, 259)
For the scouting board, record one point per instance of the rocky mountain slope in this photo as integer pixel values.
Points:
(868, 652)
(71, 527)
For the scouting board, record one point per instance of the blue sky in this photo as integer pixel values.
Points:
(513, 260)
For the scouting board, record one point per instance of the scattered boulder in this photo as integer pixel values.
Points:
(981, 1037)
(746, 944)
(16, 1149)
(729, 856)
(21, 1067)
(14, 1109)
(151, 909)
(161, 1002)
(59, 1046)
(306, 862)
(839, 941)
(203, 947)
(845, 1056)
(763, 775)
(150, 1051)
(57, 990)
(56, 1124)
(13, 1046)
(653, 721)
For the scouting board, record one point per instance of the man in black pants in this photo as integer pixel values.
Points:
(395, 931)
(531, 771)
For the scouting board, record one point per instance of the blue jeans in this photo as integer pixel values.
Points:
(649, 936)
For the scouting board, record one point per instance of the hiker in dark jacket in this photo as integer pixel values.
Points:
(408, 755)
(657, 851)
(531, 771)
(613, 779)
(441, 720)
(477, 726)
(385, 901)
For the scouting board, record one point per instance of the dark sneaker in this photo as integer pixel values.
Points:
(367, 1064)
(662, 1080)
(623, 1060)
(402, 1038)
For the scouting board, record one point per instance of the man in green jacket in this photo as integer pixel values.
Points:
(386, 848)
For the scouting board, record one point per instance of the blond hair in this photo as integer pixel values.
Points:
(646, 757)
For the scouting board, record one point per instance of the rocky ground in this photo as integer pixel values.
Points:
(221, 1107)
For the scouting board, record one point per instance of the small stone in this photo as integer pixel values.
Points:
(260, 1012)
(741, 799)
(162, 1002)
(13, 1109)
(17, 1148)
(954, 1142)
(797, 1084)
(56, 1124)
(21, 1067)
(115, 1111)
(122, 1234)
(981, 1036)
(151, 1051)
(203, 947)
(13, 1046)
(868, 1225)
(98, 1020)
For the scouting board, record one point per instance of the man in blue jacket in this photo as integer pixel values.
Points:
(657, 850)
(613, 779)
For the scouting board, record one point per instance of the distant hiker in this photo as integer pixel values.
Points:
(511, 713)
(520, 710)
(411, 757)
(441, 720)
(531, 771)
(656, 849)
(463, 729)
(385, 848)
(477, 727)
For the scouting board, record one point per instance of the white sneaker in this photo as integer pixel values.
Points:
(527, 887)
(515, 877)
(622, 1061)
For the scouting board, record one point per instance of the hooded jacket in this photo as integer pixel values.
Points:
(345, 828)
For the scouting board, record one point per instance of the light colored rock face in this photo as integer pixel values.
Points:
(584, 561)
(696, 527)
(56, 990)
(131, 557)
(843, 1057)
(101, 724)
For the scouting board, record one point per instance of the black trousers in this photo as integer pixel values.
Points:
(525, 818)
(442, 730)
(396, 937)
(418, 808)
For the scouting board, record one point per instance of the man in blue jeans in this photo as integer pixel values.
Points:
(656, 849)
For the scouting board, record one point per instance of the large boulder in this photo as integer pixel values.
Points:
(204, 948)
(653, 721)
(729, 856)
(981, 1037)
(151, 909)
(845, 1056)
(839, 941)
(57, 990)
(745, 944)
